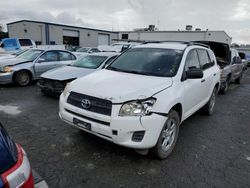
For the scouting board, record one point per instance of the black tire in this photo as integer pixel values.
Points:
(160, 150)
(22, 78)
(225, 89)
(208, 109)
(238, 80)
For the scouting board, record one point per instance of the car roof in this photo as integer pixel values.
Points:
(108, 54)
(166, 45)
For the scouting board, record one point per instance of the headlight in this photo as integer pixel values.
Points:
(66, 90)
(7, 69)
(137, 108)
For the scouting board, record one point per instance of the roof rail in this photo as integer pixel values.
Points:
(188, 43)
(198, 44)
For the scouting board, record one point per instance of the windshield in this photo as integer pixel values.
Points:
(149, 61)
(30, 55)
(89, 62)
(83, 50)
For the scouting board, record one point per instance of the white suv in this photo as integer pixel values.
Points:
(140, 100)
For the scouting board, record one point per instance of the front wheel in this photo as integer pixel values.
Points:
(168, 136)
(209, 107)
(225, 89)
(22, 78)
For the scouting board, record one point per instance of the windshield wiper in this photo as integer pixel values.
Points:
(114, 69)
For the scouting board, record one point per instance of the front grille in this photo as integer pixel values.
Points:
(100, 106)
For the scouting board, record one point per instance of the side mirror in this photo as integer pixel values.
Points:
(194, 73)
(40, 60)
(236, 60)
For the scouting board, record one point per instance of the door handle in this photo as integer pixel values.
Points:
(203, 80)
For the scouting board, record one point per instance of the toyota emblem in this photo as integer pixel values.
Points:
(86, 104)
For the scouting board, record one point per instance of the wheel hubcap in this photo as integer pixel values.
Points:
(168, 135)
(24, 79)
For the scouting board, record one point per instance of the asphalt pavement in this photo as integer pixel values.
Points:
(212, 151)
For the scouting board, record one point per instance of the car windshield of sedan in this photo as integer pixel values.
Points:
(30, 55)
(89, 62)
(83, 50)
(149, 61)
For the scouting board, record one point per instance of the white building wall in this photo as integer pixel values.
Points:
(217, 36)
(33, 31)
(37, 32)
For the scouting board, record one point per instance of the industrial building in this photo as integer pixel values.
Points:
(179, 35)
(44, 33)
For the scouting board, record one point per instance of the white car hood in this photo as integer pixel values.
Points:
(66, 73)
(118, 86)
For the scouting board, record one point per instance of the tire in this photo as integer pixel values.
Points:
(225, 89)
(168, 136)
(238, 80)
(208, 109)
(22, 78)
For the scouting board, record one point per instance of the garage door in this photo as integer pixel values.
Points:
(71, 37)
(103, 39)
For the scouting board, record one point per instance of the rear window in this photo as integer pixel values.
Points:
(25, 42)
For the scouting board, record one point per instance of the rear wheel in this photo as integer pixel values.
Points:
(209, 107)
(22, 78)
(168, 136)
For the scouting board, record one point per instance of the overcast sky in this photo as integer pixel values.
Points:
(233, 16)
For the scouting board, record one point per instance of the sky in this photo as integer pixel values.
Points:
(232, 16)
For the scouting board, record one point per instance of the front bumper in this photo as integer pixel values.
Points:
(51, 87)
(223, 81)
(117, 129)
(6, 78)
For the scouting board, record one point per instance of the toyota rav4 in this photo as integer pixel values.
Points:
(142, 97)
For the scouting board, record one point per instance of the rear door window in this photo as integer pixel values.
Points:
(65, 56)
(205, 60)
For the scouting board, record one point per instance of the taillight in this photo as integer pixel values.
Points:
(20, 174)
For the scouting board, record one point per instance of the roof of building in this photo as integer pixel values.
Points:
(61, 25)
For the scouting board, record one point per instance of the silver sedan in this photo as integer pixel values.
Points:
(31, 64)
(54, 81)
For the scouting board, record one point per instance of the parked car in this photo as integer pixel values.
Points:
(54, 81)
(244, 60)
(229, 61)
(143, 96)
(30, 65)
(118, 46)
(15, 170)
(12, 45)
(85, 51)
